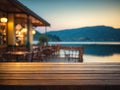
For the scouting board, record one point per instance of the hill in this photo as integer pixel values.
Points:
(94, 33)
(50, 37)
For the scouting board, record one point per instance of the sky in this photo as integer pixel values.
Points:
(66, 14)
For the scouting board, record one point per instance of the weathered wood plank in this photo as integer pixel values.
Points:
(64, 71)
(51, 64)
(70, 66)
(59, 73)
(61, 76)
(59, 82)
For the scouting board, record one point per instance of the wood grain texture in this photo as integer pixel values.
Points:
(37, 73)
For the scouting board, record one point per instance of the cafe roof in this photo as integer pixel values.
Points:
(21, 11)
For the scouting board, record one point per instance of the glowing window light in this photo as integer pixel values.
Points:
(33, 32)
(24, 30)
(18, 27)
(3, 19)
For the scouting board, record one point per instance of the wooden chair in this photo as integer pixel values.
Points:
(73, 53)
(56, 49)
(47, 53)
(8, 58)
(36, 55)
(3, 48)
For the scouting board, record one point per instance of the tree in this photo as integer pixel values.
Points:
(43, 39)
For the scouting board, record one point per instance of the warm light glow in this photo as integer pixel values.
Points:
(3, 19)
(18, 27)
(19, 33)
(33, 32)
(24, 30)
(100, 59)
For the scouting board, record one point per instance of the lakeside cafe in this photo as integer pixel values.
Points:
(17, 22)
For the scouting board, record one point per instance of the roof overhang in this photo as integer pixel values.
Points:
(21, 11)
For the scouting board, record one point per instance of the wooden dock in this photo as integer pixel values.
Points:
(60, 76)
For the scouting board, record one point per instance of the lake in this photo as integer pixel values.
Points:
(96, 51)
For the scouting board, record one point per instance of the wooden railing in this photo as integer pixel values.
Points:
(73, 53)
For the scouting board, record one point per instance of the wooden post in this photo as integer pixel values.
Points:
(11, 30)
(28, 33)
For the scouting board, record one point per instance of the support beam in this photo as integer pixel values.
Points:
(11, 30)
(29, 34)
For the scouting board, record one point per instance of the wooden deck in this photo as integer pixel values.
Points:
(55, 75)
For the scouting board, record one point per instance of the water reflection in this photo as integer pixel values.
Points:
(101, 53)
(99, 50)
(92, 58)
(102, 50)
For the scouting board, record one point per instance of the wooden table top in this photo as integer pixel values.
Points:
(37, 73)
(17, 52)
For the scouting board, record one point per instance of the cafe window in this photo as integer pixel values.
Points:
(3, 28)
(21, 31)
(2, 34)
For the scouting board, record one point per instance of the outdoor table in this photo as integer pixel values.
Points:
(17, 54)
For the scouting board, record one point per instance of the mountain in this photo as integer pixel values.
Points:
(94, 33)
(50, 37)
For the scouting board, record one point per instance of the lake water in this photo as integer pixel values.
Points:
(96, 51)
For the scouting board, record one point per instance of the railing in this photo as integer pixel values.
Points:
(73, 53)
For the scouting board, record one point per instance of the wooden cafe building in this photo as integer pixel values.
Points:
(16, 24)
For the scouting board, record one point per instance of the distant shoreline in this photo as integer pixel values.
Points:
(86, 43)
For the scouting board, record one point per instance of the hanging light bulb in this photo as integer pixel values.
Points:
(3, 19)
(33, 32)
(18, 27)
(24, 30)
